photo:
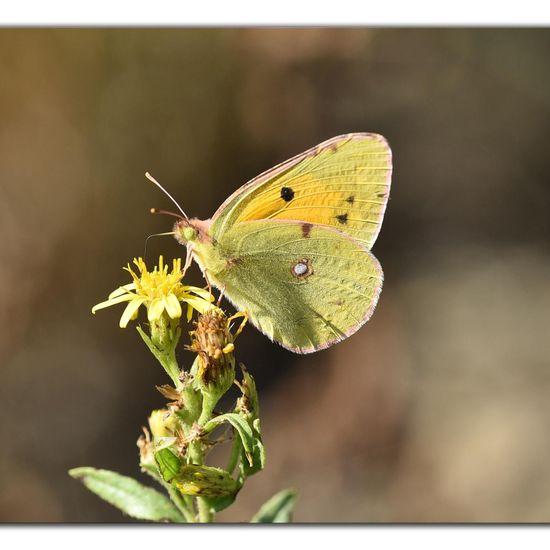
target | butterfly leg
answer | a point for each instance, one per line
(222, 292)
(188, 260)
(207, 281)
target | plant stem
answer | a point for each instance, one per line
(171, 366)
(208, 403)
(166, 358)
(180, 502)
(196, 455)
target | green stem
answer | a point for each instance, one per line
(208, 403)
(196, 455)
(166, 358)
(205, 515)
(172, 368)
(181, 503)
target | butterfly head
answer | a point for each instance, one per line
(190, 231)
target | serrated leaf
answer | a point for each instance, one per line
(241, 426)
(128, 495)
(278, 509)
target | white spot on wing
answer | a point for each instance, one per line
(300, 269)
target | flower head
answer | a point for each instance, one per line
(159, 291)
(213, 341)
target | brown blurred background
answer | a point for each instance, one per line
(437, 410)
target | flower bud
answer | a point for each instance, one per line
(205, 481)
(162, 423)
(193, 479)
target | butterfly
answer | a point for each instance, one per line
(291, 247)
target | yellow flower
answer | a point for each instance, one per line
(159, 291)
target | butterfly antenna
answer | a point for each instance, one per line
(159, 211)
(153, 180)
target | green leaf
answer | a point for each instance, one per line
(278, 509)
(242, 428)
(128, 495)
(258, 452)
(169, 464)
(150, 469)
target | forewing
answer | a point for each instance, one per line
(303, 311)
(343, 183)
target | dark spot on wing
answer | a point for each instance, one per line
(306, 230)
(287, 193)
(381, 194)
(350, 199)
(342, 218)
(232, 261)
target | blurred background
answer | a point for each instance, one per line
(436, 411)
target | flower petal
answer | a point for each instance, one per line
(122, 290)
(130, 311)
(112, 302)
(200, 292)
(199, 304)
(173, 306)
(155, 309)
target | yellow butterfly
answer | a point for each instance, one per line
(292, 246)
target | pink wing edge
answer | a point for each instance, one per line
(355, 328)
(271, 172)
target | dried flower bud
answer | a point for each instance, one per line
(145, 446)
(213, 342)
(248, 404)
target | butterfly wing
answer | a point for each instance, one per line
(343, 183)
(304, 286)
